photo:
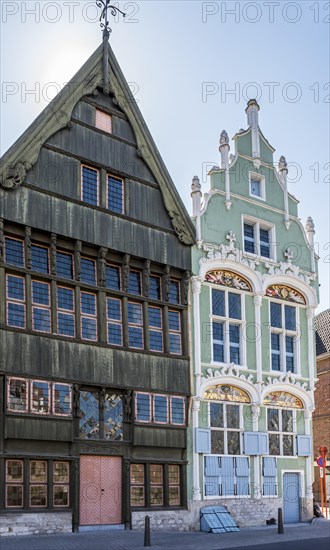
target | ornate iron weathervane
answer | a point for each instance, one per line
(105, 5)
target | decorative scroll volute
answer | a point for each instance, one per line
(283, 292)
(228, 279)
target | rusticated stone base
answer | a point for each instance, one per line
(35, 524)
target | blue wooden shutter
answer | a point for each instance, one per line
(269, 476)
(212, 486)
(227, 476)
(263, 443)
(202, 440)
(304, 445)
(212, 467)
(242, 476)
(255, 443)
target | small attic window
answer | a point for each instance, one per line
(103, 121)
(257, 186)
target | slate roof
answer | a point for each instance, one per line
(322, 326)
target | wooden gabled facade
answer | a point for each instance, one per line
(94, 271)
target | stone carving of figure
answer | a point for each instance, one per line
(101, 403)
(185, 287)
(2, 239)
(146, 277)
(28, 252)
(166, 282)
(282, 164)
(224, 139)
(102, 266)
(76, 407)
(77, 259)
(126, 271)
(128, 405)
(53, 240)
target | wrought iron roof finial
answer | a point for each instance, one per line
(105, 6)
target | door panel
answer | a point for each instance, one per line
(291, 495)
(100, 490)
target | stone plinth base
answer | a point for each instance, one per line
(35, 524)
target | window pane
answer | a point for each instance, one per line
(38, 495)
(218, 347)
(40, 397)
(134, 284)
(39, 258)
(155, 340)
(64, 265)
(174, 496)
(135, 313)
(16, 315)
(276, 361)
(234, 334)
(155, 317)
(62, 399)
(143, 407)
(137, 496)
(65, 298)
(232, 413)
(137, 473)
(135, 337)
(290, 318)
(288, 445)
(15, 288)
(234, 348)
(41, 319)
(65, 324)
(216, 413)
(14, 496)
(155, 336)
(255, 187)
(174, 294)
(89, 185)
(274, 444)
(89, 420)
(103, 121)
(38, 471)
(177, 410)
(61, 495)
(87, 274)
(264, 243)
(114, 309)
(61, 472)
(233, 443)
(156, 474)
(275, 315)
(273, 420)
(276, 356)
(115, 336)
(160, 409)
(18, 395)
(14, 470)
(113, 417)
(218, 302)
(88, 303)
(287, 421)
(155, 287)
(115, 194)
(14, 252)
(175, 343)
(249, 245)
(217, 442)
(289, 351)
(173, 474)
(234, 301)
(113, 277)
(40, 293)
(156, 496)
(174, 320)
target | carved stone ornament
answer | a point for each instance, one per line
(53, 243)
(224, 252)
(228, 279)
(285, 379)
(310, 226)
(128, 397)
(28, 250)
(126, 272)
(255, 408)
(283, 292)
(185, 287)
(15, 175)
(196, 283)
(196, 184)
(166, 282)
(102, 266)
(224, 139)
(282, 164)
(290, 270)
(229, 370)
(146, 278)
(77, 259)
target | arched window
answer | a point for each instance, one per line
(282, 422)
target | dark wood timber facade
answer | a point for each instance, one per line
(94, 272)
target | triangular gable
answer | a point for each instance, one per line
(23, 154)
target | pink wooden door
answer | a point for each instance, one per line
(100, 490)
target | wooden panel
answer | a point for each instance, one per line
(38, 428)
(159, 437)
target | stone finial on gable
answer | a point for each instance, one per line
(224, 139)
(283, 173)
(310, 231)
(252, 111)
(224, 149)
(196, 195)
(283, 165)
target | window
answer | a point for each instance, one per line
(88, 272)
(113, 277)
(226, 326)
(155, 287)
(281, 427)
(257, 185)
(14, 483)
(226, 476)
(14, 252)
(103, 121)
(134, 284)
(115, 193)
(174, 294)
(88, 316)
(174, 328)
(64, 265)
(42, 477)
(283, 337)
(258, 239)
(155, 485)
(155, 329)
(135, 325)
(41, 317)
(160, 409)
(89, 185)
(114, 322)
(65, 312)
(38, 397)
(225, 428)
(15, 294)
(40, 260)
(90, 426)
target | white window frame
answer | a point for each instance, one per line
(261, 180)
(229, 321)
(283, 332)
(280, 432)
(257, 225)
(225, 429)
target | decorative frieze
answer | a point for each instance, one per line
(283, 399)
(228, 279)
(283, 292)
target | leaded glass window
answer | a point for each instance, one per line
(134, 284)
(226, 335)
(113, 417)
(155, 329)
(281, 428)
(41, 313)
(17, 397)
(225, 424)
(156, 485)
(14, 252)
(174, 327)
(114, 322)
(283, 336)
(88, 271)
(64, 265)
(65, 311)
(15, 301)
(88, 316)
(89, 415)
(174, 294)
(155, 288)
(40, 397)
(115, 191)
(61, 399)
(135, 325)
(40, 260)
(89, 185)
(113, 277)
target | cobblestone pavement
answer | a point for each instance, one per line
(134, 540)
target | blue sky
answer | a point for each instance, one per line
(192, 67)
